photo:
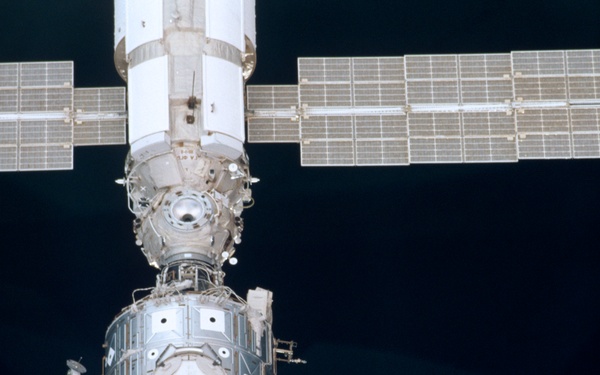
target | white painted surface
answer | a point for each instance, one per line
(261, 299)
(212, 320)
(222, 145)
(224, 21)
(120, 20)
(164, 321)
(165, 171)
(250, 20)
(150, 145)
(110, 357)
(148, 98)
(144, 22)
(223, 105)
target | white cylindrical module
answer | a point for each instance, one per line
(185, 63)
(187, 180)
(119, 40)
(189, 334)
(250, 21)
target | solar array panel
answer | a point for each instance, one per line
(35, 102)
(583, 70)
(378, 82)
(489, 137)
(475, 108)
(331, 152)
(485, 79)
(278, 127)
(432, 79)
(46, 74)
(8, 145)
(9, 83)
(95, 122)
(45, 144)
(37, 115)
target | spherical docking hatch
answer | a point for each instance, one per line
(188, 209)
(188, 205)
(189, 224)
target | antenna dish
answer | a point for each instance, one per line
(75, 367)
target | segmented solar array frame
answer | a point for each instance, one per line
(476, 108)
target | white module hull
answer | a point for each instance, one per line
(187, 334)
(169, 51)
(187, 180)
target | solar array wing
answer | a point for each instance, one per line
(279, 122)
(36, 100)
(37, 114)
(477, 108)
(99, 116)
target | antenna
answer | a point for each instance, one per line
(75, 368)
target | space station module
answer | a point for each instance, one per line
(187, 180)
